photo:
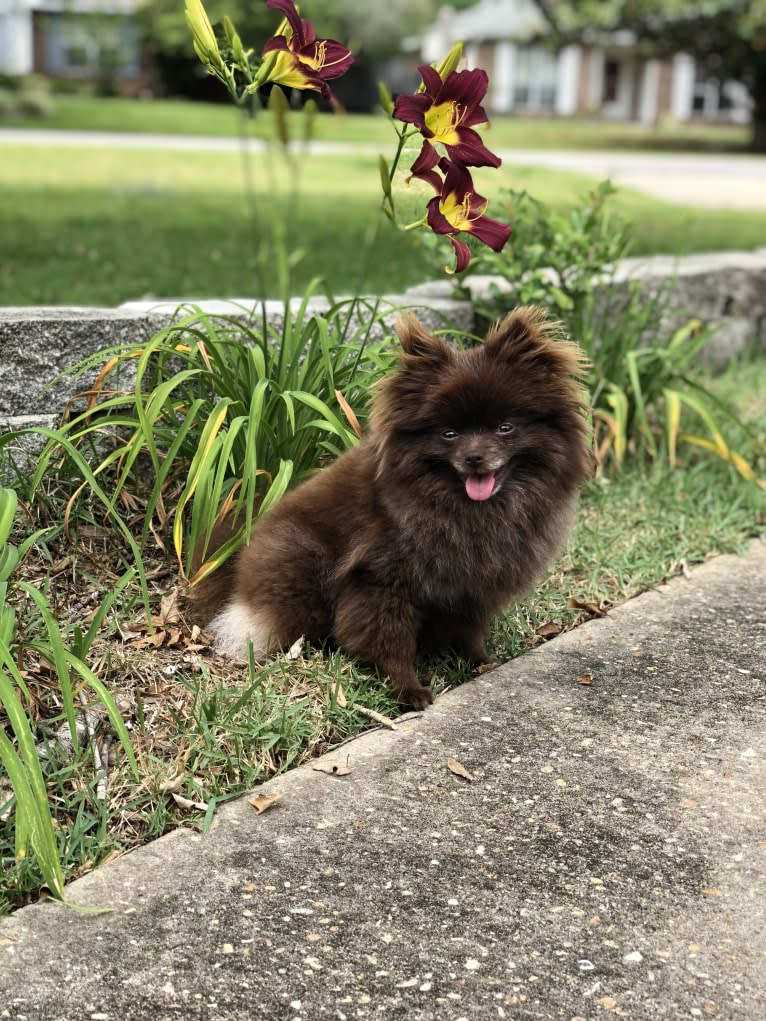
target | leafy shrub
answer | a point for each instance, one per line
(7, 102)
(34, 103)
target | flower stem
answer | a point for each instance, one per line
(403, 135)
(416, 223)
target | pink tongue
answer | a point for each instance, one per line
(480, 487)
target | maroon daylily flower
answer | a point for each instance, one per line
(303, 61)
(458, 209)
(446, 112)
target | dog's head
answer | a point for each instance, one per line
(487, 417)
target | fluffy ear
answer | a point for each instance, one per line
(418, 343)
(526, 336)
(398, 399)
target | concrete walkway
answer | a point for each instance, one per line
(607, 860)
(711, 181)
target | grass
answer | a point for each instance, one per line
(121, 224)
(178, 117)
(204, 734)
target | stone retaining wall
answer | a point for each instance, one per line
(37, 345)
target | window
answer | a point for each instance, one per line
(611, 85)
(76, 57)
(83, 46)
(535, 78)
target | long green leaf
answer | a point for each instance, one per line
(672, 423)
(32, 798)
(108, 702)
(92, 481)
(57, 654)
(278, 487)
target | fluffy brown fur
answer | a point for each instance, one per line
(451, 506)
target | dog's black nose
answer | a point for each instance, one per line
(474, 458)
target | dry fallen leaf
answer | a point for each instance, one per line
(295, 650)
(169, 612)
(549, 630)
(126, 635)
(332, 768)
(171, 786)
(338, 695)
(458, 769)
(348, 411)
(592, 608)
(263, 802)
(585, 679)
(187, 803)
(150, 640)
(173, 636)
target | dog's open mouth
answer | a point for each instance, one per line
(482, 487)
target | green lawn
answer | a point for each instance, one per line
(102, 226)
(169, 116)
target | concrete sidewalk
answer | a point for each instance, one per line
(608, 858)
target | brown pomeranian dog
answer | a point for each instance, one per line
(451, 506)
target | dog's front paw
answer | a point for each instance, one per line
(416, 696)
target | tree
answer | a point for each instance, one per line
(726, 37)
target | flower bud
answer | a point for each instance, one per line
(386, 100)
(385, 176)
(451, 61)
(205, 44)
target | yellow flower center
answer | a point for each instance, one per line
(443, 119)
(319, 60)
(287, 71)
(458, 214)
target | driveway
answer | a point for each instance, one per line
(712, 181)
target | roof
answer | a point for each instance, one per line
(497, 19)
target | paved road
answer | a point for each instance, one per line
(606, 861)
(712, 181)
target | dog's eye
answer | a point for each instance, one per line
(505, 428)
(449, 434)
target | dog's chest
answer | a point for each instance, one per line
(449, 564)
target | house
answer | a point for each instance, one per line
(602, 75)
(73, 40)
